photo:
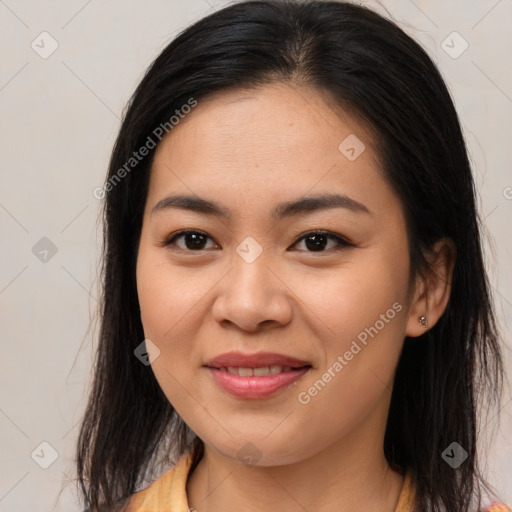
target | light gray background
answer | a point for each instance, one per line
(59, 117)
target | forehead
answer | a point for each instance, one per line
(277, 139)
(275, 118)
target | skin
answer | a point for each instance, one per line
(248, 151)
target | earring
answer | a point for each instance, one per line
(423, 320)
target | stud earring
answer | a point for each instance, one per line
(423, 320)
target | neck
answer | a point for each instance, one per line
(350, 474)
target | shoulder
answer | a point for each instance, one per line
(407, 498)
(497, 507)
(153, 496)
(168, 492)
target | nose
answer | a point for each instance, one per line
(252, 297)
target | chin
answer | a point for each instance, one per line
(258, 452)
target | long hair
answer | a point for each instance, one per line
(375, 71)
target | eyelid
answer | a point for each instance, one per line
(173, 236)
(343, 242)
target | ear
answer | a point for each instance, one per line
(432, 293)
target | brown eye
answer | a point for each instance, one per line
(192, 240)
(317, 241)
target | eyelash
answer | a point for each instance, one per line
(343, 243)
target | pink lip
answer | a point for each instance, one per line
(258, 360)
(255, 387)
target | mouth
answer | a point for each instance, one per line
(261, 371)
(250, 376)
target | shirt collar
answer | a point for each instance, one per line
(168, 493)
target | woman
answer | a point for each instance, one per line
(296, 308)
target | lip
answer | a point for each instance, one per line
(254, 387)
(241, 360)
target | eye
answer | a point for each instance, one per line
(193, 240)
(316, 241)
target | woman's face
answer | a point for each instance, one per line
(260, 277)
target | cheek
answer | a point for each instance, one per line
(167, 296)
(174, 307)
(362, 332)
(170, 303)
(363, 320)
(354, 296)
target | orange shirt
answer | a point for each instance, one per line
(168, 493)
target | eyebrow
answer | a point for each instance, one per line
(301, 206)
